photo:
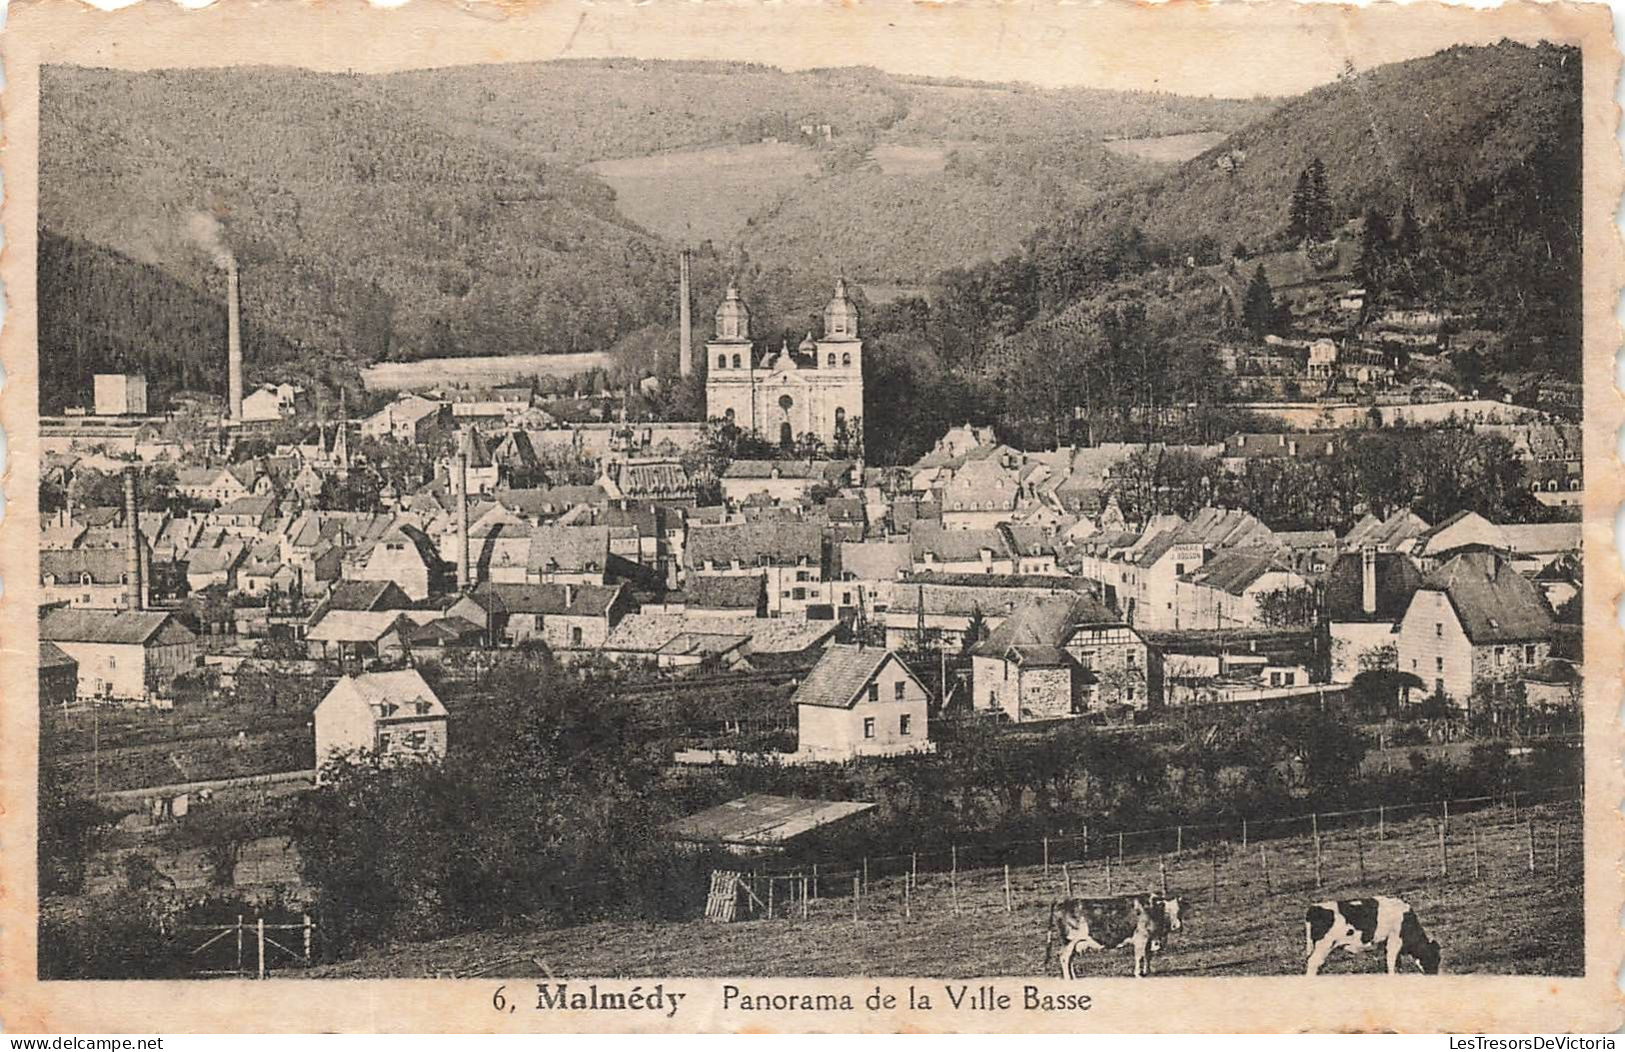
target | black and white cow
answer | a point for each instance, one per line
(1357, 925)
(1141, 921)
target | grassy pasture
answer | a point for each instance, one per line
(1505, 921)
(1167, 149)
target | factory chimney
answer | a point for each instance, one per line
(461, 484)
(1368, 580)
(234, 346)
(133, 591)
(685, 349)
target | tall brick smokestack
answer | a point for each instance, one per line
(133, 592)
(685, 348)
(234, 345)
(464, 581)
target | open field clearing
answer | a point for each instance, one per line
(695, 195)
(897, 159)
(1167, 149)
(478, 370)
(1503, 920)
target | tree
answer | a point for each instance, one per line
(1318, 210)
(71, 829)
(1298, 212)
(1258, 311)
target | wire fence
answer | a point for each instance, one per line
(1490, 838)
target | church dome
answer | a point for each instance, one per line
(785, 359)
(841, 315)
(808, 345)
(733, 318)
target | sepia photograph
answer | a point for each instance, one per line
(761, 501)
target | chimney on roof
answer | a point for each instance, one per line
(234, 346)
(569, 596)
(1368, 580)
(685, 349)
(132, 544)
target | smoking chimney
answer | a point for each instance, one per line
(1368, 580)
(234, 346)
(463, 580)
(685, 348)
(133, 593)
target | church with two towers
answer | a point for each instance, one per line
(815, 388)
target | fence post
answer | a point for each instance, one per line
(1314, 826)
(1444, 855)
(1244, 834)
(1162, 873)
(1119, 848)
(1086, 841)
(815, 880)
(913, 867)
(1179, 839)
(1046, 856)
(803, 896)
(1475, 852)
(1007, 887)
(865, 874)
(1213, 874)
(1382, 822)
(1359, 850)
(908, 910)
(1066, 876)
(1108, 874)
(240, 936)
(260, 925)
(857, 894)
(1447, 818)
(1531, 845)
(1557, 847)
(953, 874)
(772, 882)
(1514, 807)
(1264, 865)
(307, 937)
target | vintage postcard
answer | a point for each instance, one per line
(810, 517)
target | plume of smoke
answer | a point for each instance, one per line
(208, 235)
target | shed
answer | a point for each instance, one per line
(761, 822)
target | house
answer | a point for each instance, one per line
(1234, 590)
(124, 654)
(244, 515)
(96, 578)
(1475, 626)
(411, 419)
(568, 554)
(859, 702)
(779, 481)
(1060, 656)
(1242, 449)
(1393, 534)
(982, 493)
(358, 636)
(722, 595)
(405, 555)
(215, 567)
(274, 402)
(945, 607)
(58, 676)
(1141, 573)
(867, 574)
(394, 715)
(263, 573)
(943, 550)
(562, 615)
(791, 557)
(218, 484)
(663, 479)
(1367, 593)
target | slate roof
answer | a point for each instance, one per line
(53, 656)
(841, 675)
(1494, 602)
(66, 625)
(1397, 580)
(578, 600)
(1234, 571)
(104, 565)
(568, 549)
(782, 543)
(396, 695)
(724, 592)
(214, 560)
(956, 546)
(1402, 525)
(1046, 621)
(875, 560)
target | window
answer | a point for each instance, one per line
(800, 593)
(874, 691)
(1529, 653)
(846, 359)
(898, 690)
(902, 725)
(832, 360)
(1438, 630)
(736, 361)
(1500, 655)
(1438, 664)
(846, 598)
(868, 726)
(575, 635)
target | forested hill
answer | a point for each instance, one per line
(458, 211)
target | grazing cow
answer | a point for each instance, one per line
(1357, 925)
(1141, 921)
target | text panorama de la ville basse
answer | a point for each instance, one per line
(955, 997)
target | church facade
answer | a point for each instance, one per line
(816, 388)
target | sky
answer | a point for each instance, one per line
(1233, 49)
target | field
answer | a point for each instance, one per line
(1167, 149)
(1503, 920)
(478, 371)
(689, 196)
